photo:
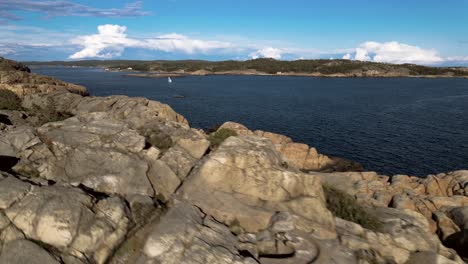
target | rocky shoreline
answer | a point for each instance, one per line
(127, 180)
(318, 75)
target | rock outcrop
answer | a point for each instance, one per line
(298, 155)
(18, 78)
(126, 180)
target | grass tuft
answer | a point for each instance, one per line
(345, 206)
(9, 100)
(219, 136)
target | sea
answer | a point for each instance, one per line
(412, 126)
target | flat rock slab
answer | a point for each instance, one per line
(94, 150)
(24, 251)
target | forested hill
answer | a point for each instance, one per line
(270, 66)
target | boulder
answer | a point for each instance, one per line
(297, 155)
(16, 139)
(136, 112)
(71, 221)
(244, 183)
(18, 79)
(186, 235)
(94, 150)
(403, 234)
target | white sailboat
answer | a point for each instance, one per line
(169, 80)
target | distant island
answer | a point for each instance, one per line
(313, 68)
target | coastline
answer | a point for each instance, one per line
(133, 172)
(139, 74)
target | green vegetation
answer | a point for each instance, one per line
(346, 207)
(36, 115)
(219, 136)
(47, 115)
(9, 65)
(159, 140)
(271, 66)
(9, 100)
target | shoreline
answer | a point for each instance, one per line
(313, 75)
(178, 74)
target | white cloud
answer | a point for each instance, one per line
(111, 41)
(67, 8)
(458, 58)
(394, 52)
(6, 50)
(268, 52)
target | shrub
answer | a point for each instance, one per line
(159, 140)
(9, 100)
(219, 136)
(46, 114)
(345, 206)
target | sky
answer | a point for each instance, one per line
(429, 32)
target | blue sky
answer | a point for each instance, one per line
(396, 31)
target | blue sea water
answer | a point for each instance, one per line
(391, 125)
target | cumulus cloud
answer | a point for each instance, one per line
(111, 41)
(394, 52)
(67, 8)
(268, 52)
(458, 58)
(6, 50)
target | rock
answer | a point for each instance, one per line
(186, 235)
(11, 191)
(179, 161)
(282, 222)
(460, 216)
(459, 240)
(243, 183)
(94, 150)
(136, 112)
(126, 180)
(298, 155)
(239, 128)
(165, 135)
(277, 139)
(404, 233)
(10, 65)
(165, 182)
(24, 251)
(17, 139)
(64, 218)
(141, 208)
(295, 154)
(425, 257)
(402, 201)
(272, 248)
(18, 79)
(445, 226)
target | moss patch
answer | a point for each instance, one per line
(219, 136)
(345, 206)
(48, 115)
(9, 100)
